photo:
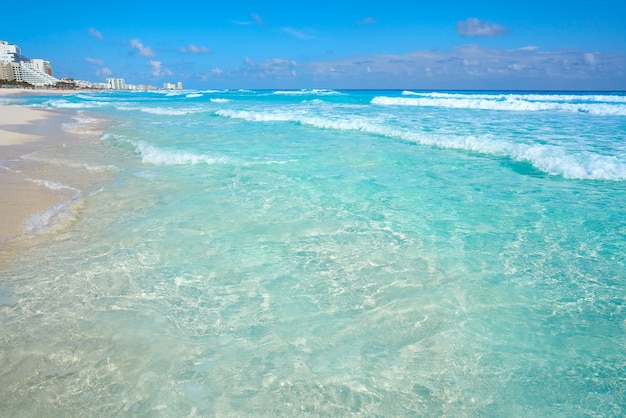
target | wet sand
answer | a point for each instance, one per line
(22, 131)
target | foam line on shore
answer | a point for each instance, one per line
(21, 197)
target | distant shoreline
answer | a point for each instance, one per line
(21, 91)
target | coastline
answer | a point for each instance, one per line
(23, 131)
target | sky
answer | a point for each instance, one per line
(340, 44)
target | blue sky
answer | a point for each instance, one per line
(333, 44)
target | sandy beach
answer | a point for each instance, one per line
(22, 131)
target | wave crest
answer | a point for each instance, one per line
(159, 156)
(504, 102)
(549, 159)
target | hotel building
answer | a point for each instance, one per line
(14, 66)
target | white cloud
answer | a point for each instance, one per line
(94, 61)
(471, 66)
(476, 27)
(296, 33)
(144, 51)
(157, 69)
(276, 68)
(464, 67)
(193, 49)
(96, 33)
(366, 21)
(257, 19)
(103, 72)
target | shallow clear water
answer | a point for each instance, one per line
(325, 253)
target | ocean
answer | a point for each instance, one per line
(322, 253)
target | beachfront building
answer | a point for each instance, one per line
(15, 67)
(116, 84)
(32, 74)
(172, 86)
(8, 52)
(9, 66)
(10, 71)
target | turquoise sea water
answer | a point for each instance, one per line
(323, 253)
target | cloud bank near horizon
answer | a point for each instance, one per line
(468, 66)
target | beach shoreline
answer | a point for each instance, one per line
(23, 131)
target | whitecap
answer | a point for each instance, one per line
(163, 111)
(320, 92)
(549, 159)
(480, 102)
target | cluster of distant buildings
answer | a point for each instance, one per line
(120, 84)
(16, 68)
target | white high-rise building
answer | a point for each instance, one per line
(172, 86)
(116, 84)
(8, 52)
(37, 72)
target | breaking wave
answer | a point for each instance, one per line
(547, 158)
(164, 111)
(306, 92)
(159, 156)
(526, 103)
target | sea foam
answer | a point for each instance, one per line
(507, 104)
(164, 111)
(527, 96)
(160, 156)
(547, 158)
(484, 102)
(57, 216)
(307, 92)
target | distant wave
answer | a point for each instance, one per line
(65, 104)
(218, 100)
(320, 92)
(161, 111)
(193, 95)
(547, 158)
(502, 103)
(605, 98)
